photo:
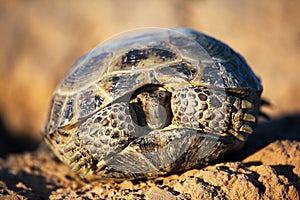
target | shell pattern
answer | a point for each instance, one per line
(152, 103)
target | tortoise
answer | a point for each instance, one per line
(152, 103)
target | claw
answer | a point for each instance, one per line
(246, 104)
(237, 103)
(240, 137)
(75, 157)
(78, 166)
(237, 135)
(69, 147)
(246, 129)
(249, 117)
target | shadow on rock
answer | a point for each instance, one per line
(27, 185)
(284, 128)
(287, 171)
(15, 144)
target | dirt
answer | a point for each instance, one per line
(268, 169)
(40, 40)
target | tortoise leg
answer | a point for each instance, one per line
(108, 131)
(200, 108)
(98, 138)
(212, 111)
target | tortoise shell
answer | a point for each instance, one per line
(152, 103)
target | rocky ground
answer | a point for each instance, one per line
(266, 168)
(41, 39)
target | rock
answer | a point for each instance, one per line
(8, 194)
(39, 175)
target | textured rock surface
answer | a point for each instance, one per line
(41, 39)
(34, 175)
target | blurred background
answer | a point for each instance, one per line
(40, 40)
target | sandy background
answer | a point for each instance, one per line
(40, 40)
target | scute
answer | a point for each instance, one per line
(231, 66)
(89, 101)
(85, 72)
(138, 58)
